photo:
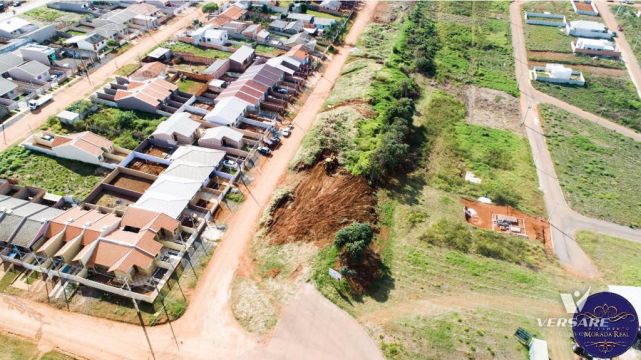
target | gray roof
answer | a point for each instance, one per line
(11, 203)
(158, 52)
(215, 66)
(34, 68)
(32, 226)
(278, 24)
(297, 16)
(242, 53)
(94, 38)
(8, 225)
(8, 61)
(324, 21)
(6, 86)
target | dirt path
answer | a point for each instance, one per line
(65, 97)
(208, 329)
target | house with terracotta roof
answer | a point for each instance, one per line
(232, 13)
(86, 147)
(156, 96)
(149, 71)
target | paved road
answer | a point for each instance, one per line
(565, 221)
(79, 90)
(208, 330)
(626, 50)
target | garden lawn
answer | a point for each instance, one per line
(59, 176)
(597, 167)
(617, 259)
(610, 97)
(178, 46)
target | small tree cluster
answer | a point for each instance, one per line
(210, 7)
(354, 239)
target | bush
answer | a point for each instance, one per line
(354, 239)
(210, 7)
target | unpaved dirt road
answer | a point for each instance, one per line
(208, 329)
(63, 98)
(565, 222)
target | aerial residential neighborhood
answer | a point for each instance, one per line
(320, 179)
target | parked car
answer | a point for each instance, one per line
(268, 142)
(285, 132)
(230, 163)
(263, 150)
(275, 140)
(282, 91)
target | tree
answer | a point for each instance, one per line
(210, 7)
(125, 119)
(264, 9)
(303, 8)
(354, 239)
(112, 42)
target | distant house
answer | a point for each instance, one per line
(220, 137)
(8, 89)
(15, 26)
(306, 18)
(301, 39)
(252, 31)
(584, 7)
(92, 42)
(71, 6)
(293, 27)
(263, 35)
(332, 5)
(148, 96)
(588, 29)
(234, 27)
(111, 31)
(598, 47)
(31, 71)
(160, 54)
(557, 73)
(232, 13)
(208, 36)
(242, 58)
(299, 53)
(178, 129)
(9, 61)
(277, 25)
(86, 147)
(40, 53)
(324, 23)
(146, 15)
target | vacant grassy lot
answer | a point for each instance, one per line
(610, 97)
(127, 69)
(476, 44)
(189, 86)
(353, 84)
(59, 176)
(548, 38)
(126, 128)
(627, 17)
(597, 167)
(319, 14)
(617, 259)
(47, 15)
(264, 50)
(195, 50)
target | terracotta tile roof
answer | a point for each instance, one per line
(298, 52)
(152, 92)
(145, 219)
(76, 221)
(149, 70)
(85, 141)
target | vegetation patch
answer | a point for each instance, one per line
(178, 46)
(627, 17)
(126, 128)
(617, 259)
(59, 176)
(127, 69)
(597, 167)
(47, 15)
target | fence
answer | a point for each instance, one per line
(533, 18)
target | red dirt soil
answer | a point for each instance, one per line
(133, 183)
(147, 167)
(535, 228)
(322, 204)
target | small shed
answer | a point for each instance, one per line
(160, 54)
(68, 117)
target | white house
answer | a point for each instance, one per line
(322, 23)
(40, 53)
(208, 35)
(557, 73)
(30, 71)
(93, 42)
(333, 5)
(179, 128)
(15, 26)
(221, 136)
(599, 47)
(8, 89)
(228, 111)
(588, 29)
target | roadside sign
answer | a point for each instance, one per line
(335, 274)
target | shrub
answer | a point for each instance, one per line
(210, 7)
(354, 239)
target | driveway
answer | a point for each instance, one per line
(208, 330)
(565, 222)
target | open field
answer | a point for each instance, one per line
(571, 59)
(127, 69)
(610, 97)
(547, 38)
(16, 348)
(264, 50)
(627, 17)
(59, 176)
(475, 44)
(195, 50)
(189, 86)
(597, 167)
(617, 259)
(126, 128)
(46, 15)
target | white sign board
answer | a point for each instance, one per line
(335, 274)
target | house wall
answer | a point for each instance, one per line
(70, 152)
(39, 56)
(20, 74)
(43, 34)
(135, 104)
(589, 34)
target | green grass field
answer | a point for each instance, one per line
(127, 69)
(547, 38)
(188, 85)
(617, 259)
(59, 176)
(627, 17)
(195, 50)
(612, 98)
(597, 167)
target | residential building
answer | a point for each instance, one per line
(220, 137)
(23, 223)
(322, 23)
(149, 71)
(252, 31)
(228, 112)
(9, 61)
(293, 27)
(598, 47)
(15, 27)
(206, 35)
(242, 58)
(305, 18)
(234, 27)
(218, 68)
(299, 53)
(86, 147)
(40, 53)
(588, 29)
(178, 129)
(302, 39)
(31, 71)
(71, 6)
(111, 31)
(169, 195)
(557, 73)
(8, 89)
(332, 5)
(160, 54)
(263, 36)
(92, 42)
(148, 96)
(584, 7)
(232, 13)
(278, 25)
(146, 15)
